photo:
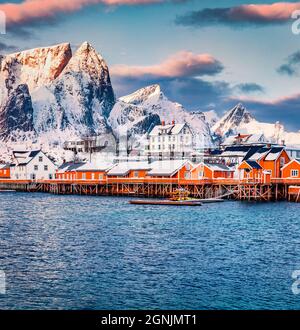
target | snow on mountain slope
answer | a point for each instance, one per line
(239, 120)
(16, 115)
(151, 101)
(211, 117)
(34, 67)
(79, 100)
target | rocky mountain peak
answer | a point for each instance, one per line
(35, 67)
(232, 119)
(147, 94)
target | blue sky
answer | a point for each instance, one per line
(147, 35)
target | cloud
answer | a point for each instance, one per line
(243, 15)
(179, 65)
(29, 11)
(7, 48)
(291, 67)
(248, 88)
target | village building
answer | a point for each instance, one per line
(246, 140)
(83, 171)
(32, 165)
(250, 170)
(132, 170)
(171, 169)
(274, 161)
(173, 141)
(291, 170)
(211, 171)
(4, 171)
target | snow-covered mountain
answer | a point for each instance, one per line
(148, 107)
(240, 120)
(71, 95)
(79, 100)
(211, 117)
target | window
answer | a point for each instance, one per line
(136, 174)
(201, 174)
(50, 176)
(45, 167)
(40, 159)
(282, 161)
(187, 175)
(100, 176)
(36, 168)
(294, 173)
(83, 176)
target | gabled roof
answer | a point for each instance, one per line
(290, 162)
(23, 157)
(257, 154)
(253, 164)
(124, 168)
(95, 167)
(235, 151)
(274, 153)
(69, 166)
(169, 129)
(4, 166)
(216, 167)
(167, 167)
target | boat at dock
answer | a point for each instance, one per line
(165, 202)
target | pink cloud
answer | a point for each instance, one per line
(30, 10)
(277, 11)
(252, 14)
(181, 64)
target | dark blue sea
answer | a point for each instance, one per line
(78, 252)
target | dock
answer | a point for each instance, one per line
(247, 190)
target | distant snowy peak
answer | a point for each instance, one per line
(150, 94)
(231, 121)
(148, 107)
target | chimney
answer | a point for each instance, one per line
(283, 142)
(173, 122)
(163, 123)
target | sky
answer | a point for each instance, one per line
(205, 54)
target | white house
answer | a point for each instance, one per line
(173, 141)
(32, 165)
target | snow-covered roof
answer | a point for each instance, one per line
(95, 167)
(24, 157)
(220, 167)
(259, 154)
(125, 167)
(4, 166)
(235, 151)
(253, 164)
(167, 167)
(173, 129)
(274, 153)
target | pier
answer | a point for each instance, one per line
(233, 189)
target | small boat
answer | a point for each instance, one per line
(7, 190)
(165, 202)
(178, 198)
